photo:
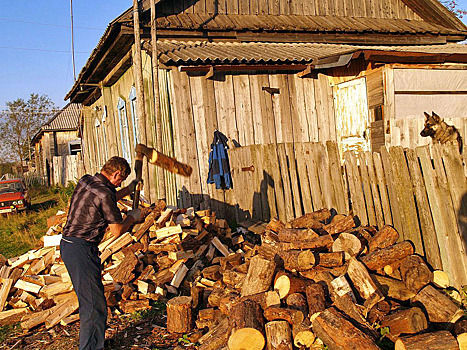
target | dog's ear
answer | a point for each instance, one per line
(436, 117)
(426, 115)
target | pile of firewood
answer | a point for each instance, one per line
(319, 279)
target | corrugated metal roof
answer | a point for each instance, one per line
(300, 23)
(66, 119)
(203, 52)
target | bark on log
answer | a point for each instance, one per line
(179, 315)
(320, 242)
(382, 257)
(297, 301)
(259, 276)
(439, 307)
(331, 259)
(279, 336)
(296, 234)
(410, 321)
(287, 284)
(298, 260)
(292, 316)
(415, 273)
(364, 284)
(246, 321)
(316, 298)
(442, 340)
(303, 336)
(265, 299)
(216, 337)
(347, 243)
(312, 220)
(384, 238)
(339, 334)
(393, 288)
(341, 225)
(275, 225)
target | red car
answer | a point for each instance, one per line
(13, 196)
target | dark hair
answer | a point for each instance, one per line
(117, 163)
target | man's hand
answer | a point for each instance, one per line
(132, 185)
(135, 214)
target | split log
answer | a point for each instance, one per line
(364, 284)
(228, 302)
(179, 315)
(341, 225)
(320, 242)
(275, 225)
(302, 334)
(347, 243)
(296, 234)
(331, 259)
(259, 276)
(382, 257)
(212, 272)
(297, 301)
(339, 334)
(462, 340)
(439, 307)
(279, 336)
(442, 340)
(415, 273)
(393, 288)
(310, 219)
(378, 312)
(123, 273)
(216, 337)
(460, 327)
(233, 278)
(384, 238)
(298, 260)
(292, 316)
(441, 279)
(62, 311)
(5, 291)
(287, 284)
(130, 306)
(265, 299)
(316, 298)
(410, 321)
(246, 321)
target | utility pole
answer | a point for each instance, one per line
(140, 100)
(72, 41)
(157, 111)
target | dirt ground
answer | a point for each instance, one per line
(124, 332)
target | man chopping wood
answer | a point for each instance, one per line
(93, 208)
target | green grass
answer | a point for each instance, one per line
(20, 232)
(6, 331)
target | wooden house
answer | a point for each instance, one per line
(58, 137)
(357, 72)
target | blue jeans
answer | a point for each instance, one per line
(82, 261)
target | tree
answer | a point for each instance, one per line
(453, 6)
(19, 122)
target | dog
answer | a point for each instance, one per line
(439, 131)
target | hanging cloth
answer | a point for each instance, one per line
(219, 167)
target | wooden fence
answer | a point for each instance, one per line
(422, 192)
(67, 168)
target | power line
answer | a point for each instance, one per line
(48, 24)
(43, 50)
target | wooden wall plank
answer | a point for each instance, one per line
(243, 111)
(430, 241)
(367, 192)
(278, 184)
(225, 106)
(374, 189)
(325, 109)
(310, 108)
(263, 117)
(355, 181)
(288, 194)
(300, 151)
(281, 106)
(269, 162)
(313, 179)
(337, 178)
(298, 109)
(324, 174)
(260, 203)
(405, 198)
(292, 165)
(392, 194)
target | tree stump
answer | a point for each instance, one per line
(179, 315)
(246, 321)
(279, 336)
(442, 340)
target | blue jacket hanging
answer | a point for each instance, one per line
(219, 167)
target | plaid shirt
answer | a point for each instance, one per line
(93, 207)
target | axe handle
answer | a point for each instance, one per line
(165, 162)
(139, 175)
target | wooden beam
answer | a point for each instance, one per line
(124, 64)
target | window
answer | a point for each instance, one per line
(134, 115)
(74, 147)
(124, 130)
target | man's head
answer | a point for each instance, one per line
(116, 170)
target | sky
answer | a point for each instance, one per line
(35, 44)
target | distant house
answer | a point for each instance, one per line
(58, 137)
(357, 72)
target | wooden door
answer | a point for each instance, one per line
(352, 121)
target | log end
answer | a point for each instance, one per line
(246, 338)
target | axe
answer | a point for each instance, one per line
(159, 159)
